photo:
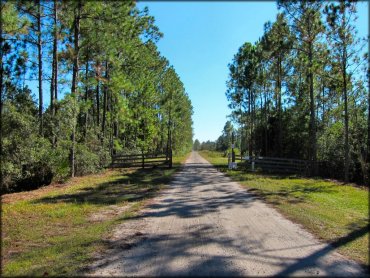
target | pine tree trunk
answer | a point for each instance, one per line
(169, 142)
(76, 47)
(250, 151)
(74, 79)
(323, 103)
(39, 55)
(170, 134)
(262, 123)
(105, 102)
(368, 139)
(252, 122)
(52, 95)
(280, 134)
(345, 96)
(346, 143)
(55, 54)
(54, 71)
(1, 95)
(72, 151)
(86, 96)
(97, 104)
(110, 110)
(266, 121)
(312, 125)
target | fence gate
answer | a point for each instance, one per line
(140, 160)
(274, 164)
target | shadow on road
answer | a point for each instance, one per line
(187, 205)
(181, 247)
(314, 259)
(167, 249)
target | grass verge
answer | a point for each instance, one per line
(52, 231)
(334, 212)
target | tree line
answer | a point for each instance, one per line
(302, 91)
(109, 88)
(223, 142)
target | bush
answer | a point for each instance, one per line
(59, 162)
(34, 176)
(26, 154)
(86, 161)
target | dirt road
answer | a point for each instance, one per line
(207, 225)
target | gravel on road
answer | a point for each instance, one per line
(205, 224)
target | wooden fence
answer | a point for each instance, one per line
(274, 164)
(140, 160)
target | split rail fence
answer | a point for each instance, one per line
(274, 164)
(140, 160)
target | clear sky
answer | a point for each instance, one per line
(201, 38)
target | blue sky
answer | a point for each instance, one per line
(201, 38)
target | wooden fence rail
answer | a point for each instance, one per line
(275, 164)
(140, 160)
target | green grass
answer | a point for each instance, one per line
(216, 158)
(51, 232)
(334, 212)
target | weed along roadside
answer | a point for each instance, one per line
(333, 212)
(56, 230)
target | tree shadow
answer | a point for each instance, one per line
(313, 260)
(186, 205)
(131, 187)
(158, 255)
(160, 251)
(296, 194)
(191, 252)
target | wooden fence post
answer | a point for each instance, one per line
(142, 160)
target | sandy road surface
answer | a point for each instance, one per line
(207, 225)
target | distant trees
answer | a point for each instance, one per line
(341, 38)
(299, 92)
(223, 142)
(208, 145)
(307, 28)
(242, 90)
(110, 89)
(196, 145)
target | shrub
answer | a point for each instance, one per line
(86, 161)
